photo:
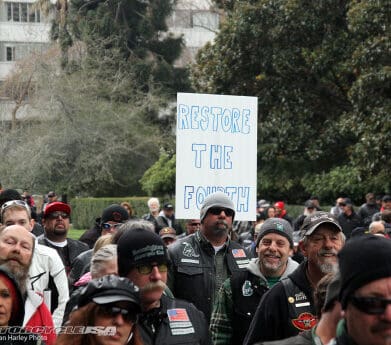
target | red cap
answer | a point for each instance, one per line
(280, 205)
(56, 206)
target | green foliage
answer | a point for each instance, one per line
(86, 210)
(134, 33)
(160, 177)
(321, 73)
(85, 144)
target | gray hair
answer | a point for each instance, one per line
(137, 224)
(101, 257)
(151, 200)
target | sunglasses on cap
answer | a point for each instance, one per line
(112, 311)
(57, 214)
(108, 226)
(147, 268)
(20, 203)
(217, 210)
(370, 305)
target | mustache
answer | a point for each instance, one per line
(16, 258)
(381, 327)
(329, 251)
(159, 285)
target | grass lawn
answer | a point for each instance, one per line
(75, 233)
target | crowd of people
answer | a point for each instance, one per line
(321, 278)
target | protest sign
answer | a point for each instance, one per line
(216, 151)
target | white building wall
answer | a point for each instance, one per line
(196, 20)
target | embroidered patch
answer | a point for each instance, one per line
(178, 314)
(300, 297)
(179, 321)
(291, 299)
(188, 251)
(304, 304)
(305, 321)
(192, 261)
(247, 289)
(238, 253)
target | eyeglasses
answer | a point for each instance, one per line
(217, 210)
(113, 311)
(370, 305)
(195, 224)
(147, 269)
(57, 214)
(108, 226)
(14, 203)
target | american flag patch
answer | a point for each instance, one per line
(177, 315)
(238, 253)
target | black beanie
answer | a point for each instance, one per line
(8, 195)
(137, 247)
(114, 213)
(363, 260)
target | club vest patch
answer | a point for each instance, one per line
(304, 321)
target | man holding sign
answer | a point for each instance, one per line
(202, 261)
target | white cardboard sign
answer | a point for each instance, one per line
(216, 151)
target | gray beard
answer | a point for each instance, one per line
(20, 273)
(326, 268)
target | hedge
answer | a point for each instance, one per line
(86, 210)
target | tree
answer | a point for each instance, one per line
(295, 56)
(103, 116)
(81, 144)
(18, 87)
(159, 179)
(135, 32)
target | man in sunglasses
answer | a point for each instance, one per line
(56, 224)
(113, 216)
(205, 259)
(365, 292)
(143, 259)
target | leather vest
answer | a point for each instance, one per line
(301, 311)
(246, 295)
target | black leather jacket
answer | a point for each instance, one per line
(175, 322)
(285, 310)
(193, 271)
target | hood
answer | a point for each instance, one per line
(253, 267)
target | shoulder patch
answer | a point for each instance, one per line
(304, 321)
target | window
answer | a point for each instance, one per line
(10, 52)
(22, 12)
(9, 11)
(15, 13)
(205, 19)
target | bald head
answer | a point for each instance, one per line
(16, 245)
(377, 228)
(16, 252)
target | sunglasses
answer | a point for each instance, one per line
(147, 269)
(57, 214)
(14, 203)
(217, 210)
(111, 311)
(370, 305)
(195, 224)
(108, 226)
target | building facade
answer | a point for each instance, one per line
(24, 29)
